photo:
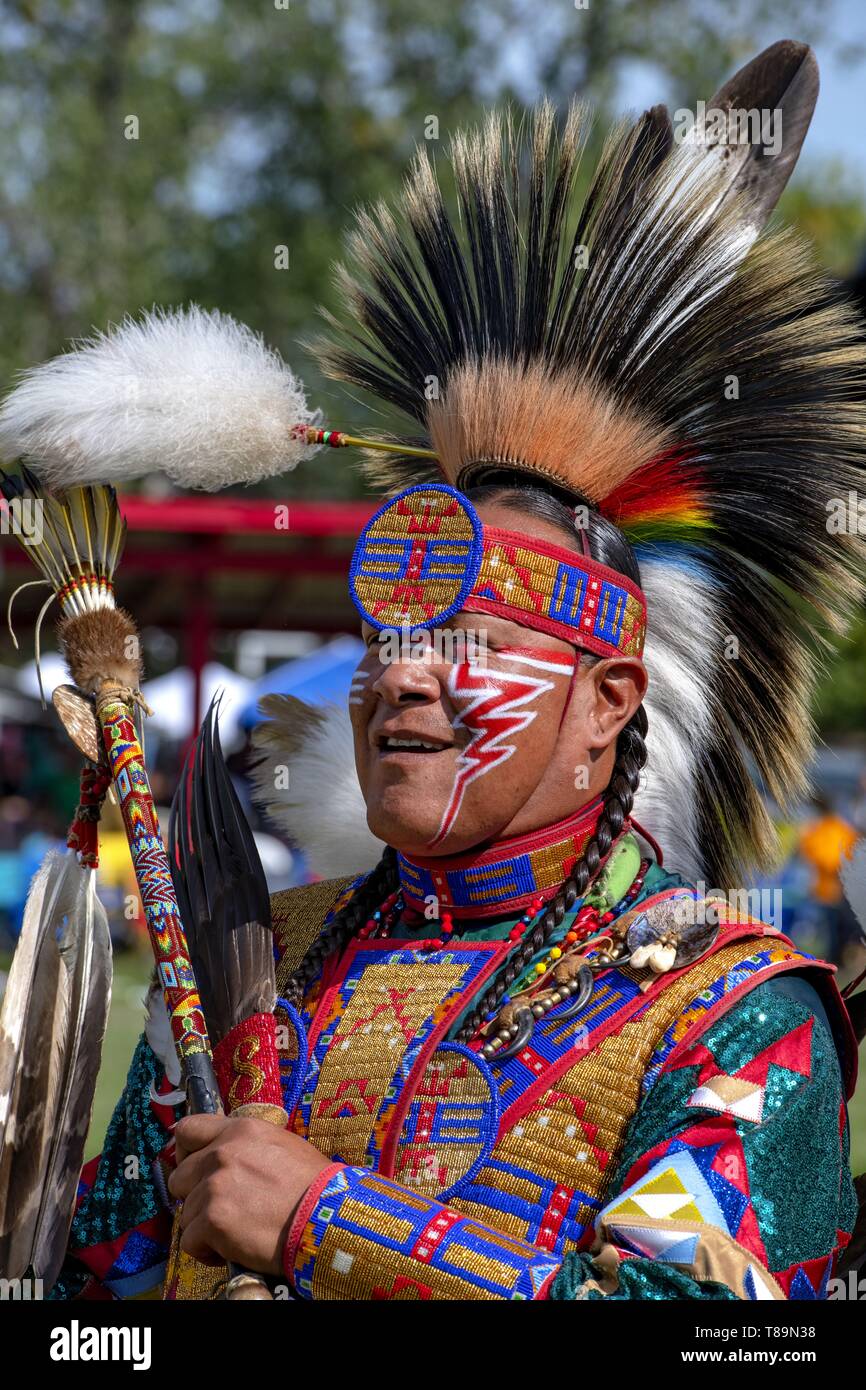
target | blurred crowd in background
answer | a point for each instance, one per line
(39, 784)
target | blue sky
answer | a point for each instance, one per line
(838, 130)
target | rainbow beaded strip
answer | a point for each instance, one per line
(425, 555)
(153, 874)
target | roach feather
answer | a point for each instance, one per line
(782, 79)
(191, 393)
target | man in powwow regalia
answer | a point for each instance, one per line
(522, 1056)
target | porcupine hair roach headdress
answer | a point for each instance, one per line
(643, 353)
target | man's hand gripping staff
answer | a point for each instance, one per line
(77, 549)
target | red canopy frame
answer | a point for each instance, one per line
(196, 537)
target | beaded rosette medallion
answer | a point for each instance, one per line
(425, 555)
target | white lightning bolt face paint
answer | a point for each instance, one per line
(494, 709)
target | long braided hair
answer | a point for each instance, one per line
(334, 938)
(618, 799)
(608, 546)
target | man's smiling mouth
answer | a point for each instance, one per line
(406, 741)
(415, 743)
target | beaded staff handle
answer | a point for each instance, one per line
(150, 862)
(76, 547)
(164, 927)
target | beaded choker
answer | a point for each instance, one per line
(506, 877)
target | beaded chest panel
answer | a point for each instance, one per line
(530, 1147)
(525, 1153)
(373, 1030)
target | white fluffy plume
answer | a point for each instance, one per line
(189, 393)
(678, 712)
(317, 746)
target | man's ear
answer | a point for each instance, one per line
(619, 685)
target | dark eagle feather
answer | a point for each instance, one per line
(221, 889)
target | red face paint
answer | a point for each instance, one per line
(494, 710)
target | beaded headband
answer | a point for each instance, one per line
(425, 555)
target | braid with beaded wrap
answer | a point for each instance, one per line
(380, 881)
(618, 801)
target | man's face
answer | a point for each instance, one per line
(477, 731)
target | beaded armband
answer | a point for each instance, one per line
(361, 1236)
(248, 1065)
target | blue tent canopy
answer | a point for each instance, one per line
(325, 675)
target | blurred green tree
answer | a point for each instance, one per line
(159, 152)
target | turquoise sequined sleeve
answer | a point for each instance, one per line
(122, 1225)
(734, 1181)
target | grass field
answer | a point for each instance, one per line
(132, 972)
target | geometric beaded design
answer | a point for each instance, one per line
(425, 555)
(775, 954)
(465, 1180)
(505, 878)
(548, 1175)
(450, 1126)
(533, 1199)
(387, 1007)
(553, 590)
(370, 1238)
(416, 559)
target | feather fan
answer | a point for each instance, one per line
(51, 1029)
(221, 889)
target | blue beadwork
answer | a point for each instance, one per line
(445, 557)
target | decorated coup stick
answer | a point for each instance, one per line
(77, 547)
(201, 398)
(82, 537)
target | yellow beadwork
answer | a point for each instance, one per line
(353, 1079)
(571, 1135)
(604, 1086)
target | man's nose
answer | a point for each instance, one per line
(408, 681)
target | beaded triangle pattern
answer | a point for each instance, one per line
(388, 1005)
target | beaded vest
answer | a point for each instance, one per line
(531, 1146)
